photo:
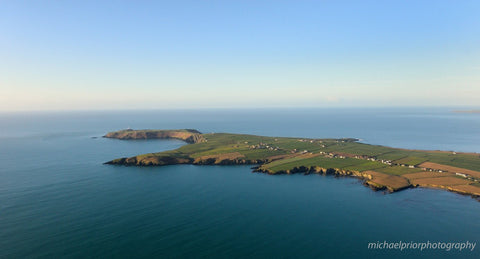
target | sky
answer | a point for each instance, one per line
(102, 55)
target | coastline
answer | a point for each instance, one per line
(227, 150)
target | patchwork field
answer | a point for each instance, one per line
(440, 181)
(451, 169)
(381, 167)
(425, 175)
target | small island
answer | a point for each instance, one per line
(468, 111)
(379, 167)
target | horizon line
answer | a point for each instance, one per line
(456, 107)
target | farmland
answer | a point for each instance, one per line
(380, 167)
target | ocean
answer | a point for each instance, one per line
(58, 199)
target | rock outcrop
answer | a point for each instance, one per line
(188, 135)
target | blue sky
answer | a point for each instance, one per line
(64, 55)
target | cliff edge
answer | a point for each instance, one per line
(188, 135)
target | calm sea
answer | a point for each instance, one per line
(57, 199)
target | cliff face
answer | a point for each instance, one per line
(458, 172)
(371, 179)
(150, 161)
(179, 159)
(187, 135)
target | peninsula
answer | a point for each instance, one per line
(380, 167)
(467, 111)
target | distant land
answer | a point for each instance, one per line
(379, 167)
(467, 111)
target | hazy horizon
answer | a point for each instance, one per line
(452, 109)
(86, 55)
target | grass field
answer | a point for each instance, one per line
(279, 155)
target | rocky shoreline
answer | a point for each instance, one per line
(365, 178)
(190, 136)
(373, 179)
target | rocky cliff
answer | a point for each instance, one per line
(187, 135)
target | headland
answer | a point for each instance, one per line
(379, 167)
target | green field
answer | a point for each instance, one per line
(281, 154)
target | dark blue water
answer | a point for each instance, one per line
(57, 199)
